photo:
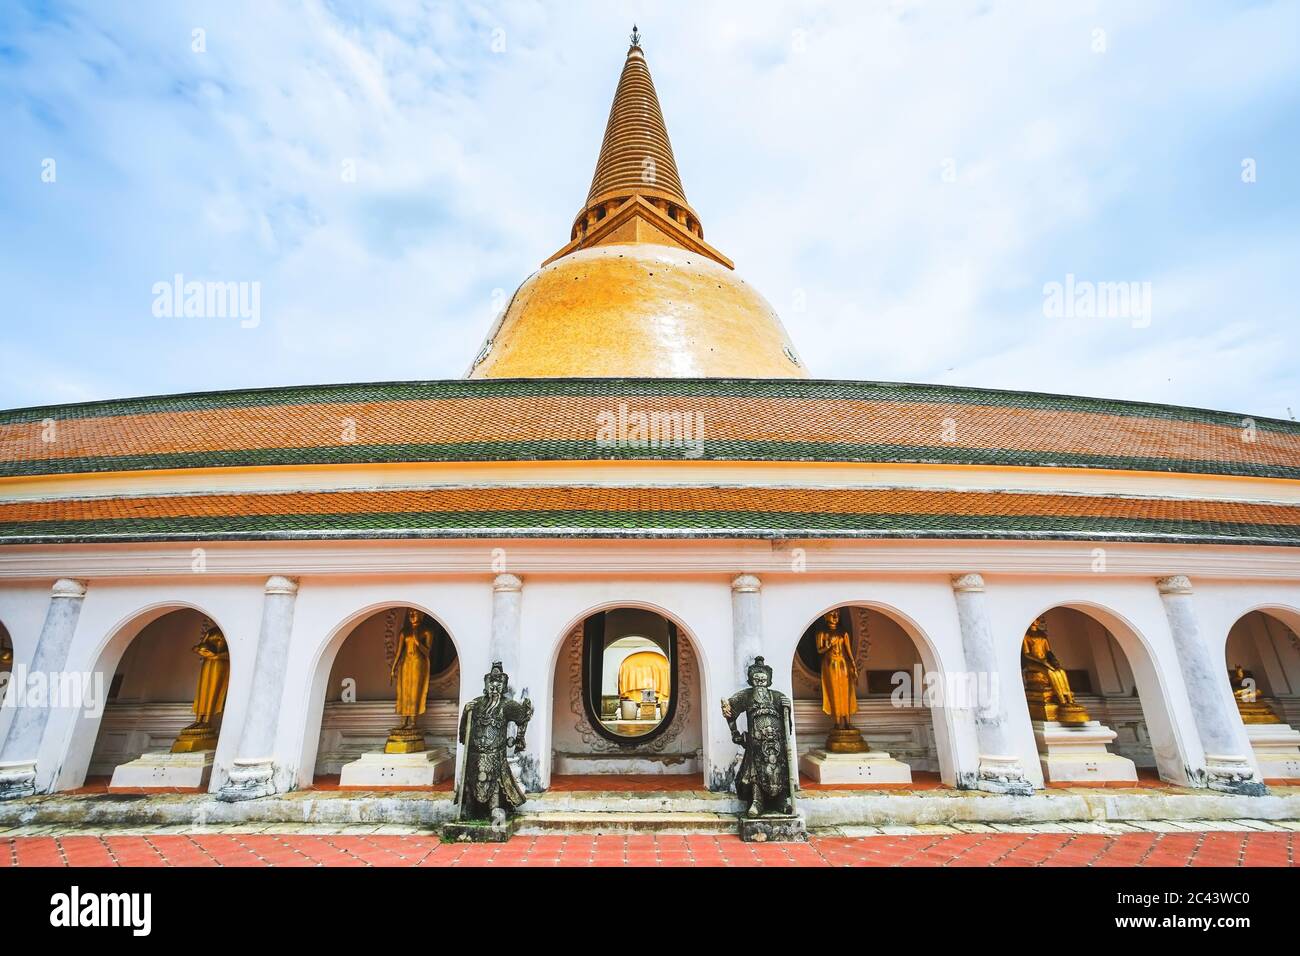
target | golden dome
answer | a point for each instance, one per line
(635, 310)
(637, 291)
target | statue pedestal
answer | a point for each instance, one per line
(1078, 753)
(874, 766)
(1277, 748)
(189, 771)
(773, 829)
(422, 769)
(473, 831)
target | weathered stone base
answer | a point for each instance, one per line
(822, 809)
(1078, 753)
(459, 831)
(185, 771)
(615, 764)
(773, 829)
(422, 769)
(1229, 773)
(870, 767)
(1002, 774)
(1277, 748)
(17, 779)
(249, 779)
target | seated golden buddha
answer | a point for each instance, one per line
(1250, 704)
(1047, 686)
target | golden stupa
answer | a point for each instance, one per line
(637, 291)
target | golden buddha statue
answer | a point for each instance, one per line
(209, 695)
(645, 671)
(6, 657)
(410, 671)
(839, 673)
(1250, 705)
(1046, 684)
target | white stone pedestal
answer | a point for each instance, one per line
(188, 771)
(1078, 753)
(422, 769)
(874, 766)
(1277, 748)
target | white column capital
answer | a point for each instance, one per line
(278, 584)
(1174, 584)
(968, 582)
(507, 582)
(746, 583)
(68, 588)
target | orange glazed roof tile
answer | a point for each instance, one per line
(574, 419)
(647, 512)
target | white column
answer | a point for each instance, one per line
(999, 768)
(253, 771)
(22, 744)
(1223, 737)
(503, 645)
(746, 628)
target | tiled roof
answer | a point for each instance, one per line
(648, 511)
(560, 419)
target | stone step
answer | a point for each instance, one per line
(615, 822)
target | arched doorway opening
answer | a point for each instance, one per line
(164, 702)
(1088, 701)
(6, 660)
(1263, 660)
(361, 693)
(887, 698)
(626, 697)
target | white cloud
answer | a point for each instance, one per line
(811, 137)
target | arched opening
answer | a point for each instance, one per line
(6, 660)
(365, 689)
(1087, 700)
(1263, 660)
(626, 699)
(861, 667)
(164, 703)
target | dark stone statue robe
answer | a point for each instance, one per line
(487, 774)
(766, 764)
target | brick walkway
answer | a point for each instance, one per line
(1214, 848)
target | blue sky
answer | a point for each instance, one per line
(899, 179)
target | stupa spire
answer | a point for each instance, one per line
(636, 191)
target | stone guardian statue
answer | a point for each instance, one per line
(486, 789)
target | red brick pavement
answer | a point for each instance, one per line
(965, 849)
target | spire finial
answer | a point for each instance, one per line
(635, 37)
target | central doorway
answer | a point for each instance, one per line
(626, 697)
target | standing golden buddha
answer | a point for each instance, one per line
(410, 671)
(209, 695)
(839, 673)
(1047, 686)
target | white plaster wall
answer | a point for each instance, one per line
(687, 581)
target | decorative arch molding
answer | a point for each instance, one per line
(322, 663)
(687, 672)
(105, 657)
(1157, 679)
